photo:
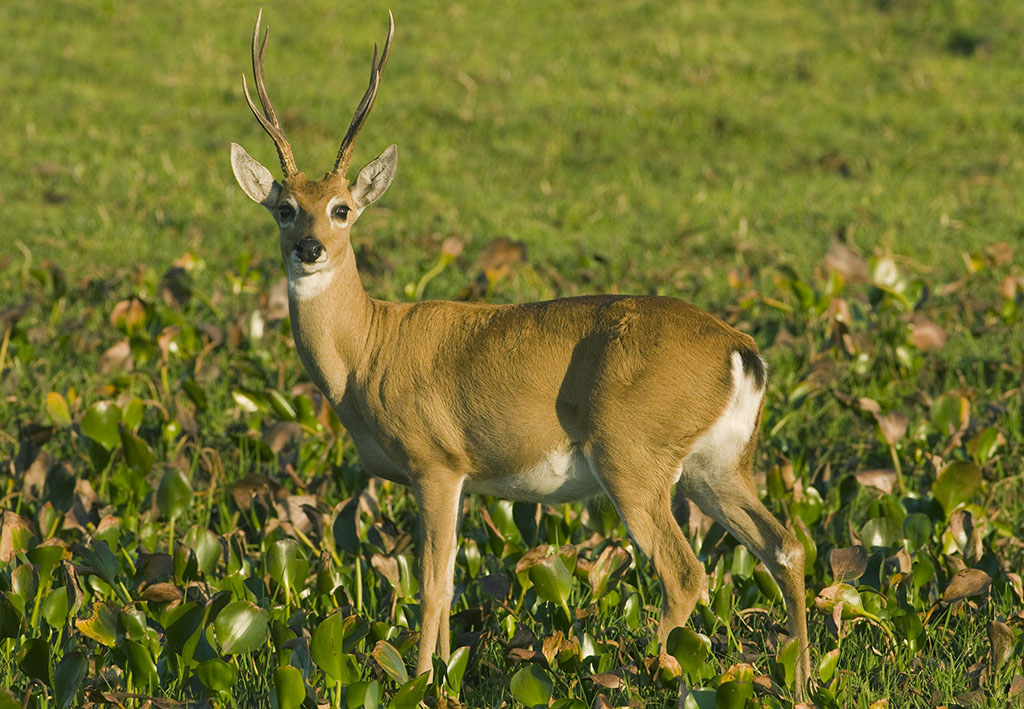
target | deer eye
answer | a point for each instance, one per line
(339, 212)
(286, 212)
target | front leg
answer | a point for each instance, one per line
(439, 496)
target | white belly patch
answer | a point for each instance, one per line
(560, 476)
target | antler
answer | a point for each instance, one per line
(348, 143)
(267, 118)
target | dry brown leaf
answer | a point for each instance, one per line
(1000, 640)
(497, 586)
(15, 535)
(893, 426)
(281, 434)
(162, 593)
(116, 358)
(847, 263)
(608, 680)
(927, 335)
(386, 566)
(883, 479)
(849, 563)
(966, 583)
(128, 315)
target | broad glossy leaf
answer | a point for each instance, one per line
(553, 581)
(532, 686)
(827, 599)
(25, 581)
(881, 532)
(174, 494)
(956, 484)
(390, 661)
(68, 676)
(363, 695)
(787, 657)
(966, 583)
(734, 694)
(142, 665)
(99, 422)
(410, 694)
(827, 665)
(55, 607)
(241, 627)
(34, 659)
(766, 583)
(456, 670)
(182, 623)
(136, 451)
(289, 689)
(100, 559)
(287, 564)
(217, 675)
(101, 626)
(688, 648)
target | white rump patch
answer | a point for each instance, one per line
(308, 280)
(560, 476)
(721, 446)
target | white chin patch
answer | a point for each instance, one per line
(308, 280)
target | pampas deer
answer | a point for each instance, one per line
(625, 396)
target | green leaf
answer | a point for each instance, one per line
(289, 689)
(766, 583)
(57, 408)
(456, 670)
(956, 484)
(181, 624)
(174, 494)
(136, 451)
(363, 695)
(687, 648)
(100, 424)
(216, 675)
(327, 648)
(195, 393)
(552, 579)
(68, 676)
(100, 559)
(786, 657)
(282, 407)
(241, 627)
(287, 565)
(733, 694)
(101, 626)
(55, 607)
(390, 661)
(142, 665)
(410, 694)
(34, 660)
(881, 532)
(827, 665)
(206, 546)
(532, 686)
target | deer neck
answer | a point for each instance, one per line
(331, 317)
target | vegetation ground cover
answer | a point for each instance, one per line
(183, 519)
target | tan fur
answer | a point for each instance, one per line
(455, 397)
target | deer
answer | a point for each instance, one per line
(634, 398)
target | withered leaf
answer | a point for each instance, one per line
(883, 480)
(893, 426)
(386, 566)
(608, 680)
(116, 358)
(497, 586)
(966, 583)
(848, 563)
(1000, 640)
(927, 335)
(847, 263)
(162, 593)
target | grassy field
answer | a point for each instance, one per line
(183, 519)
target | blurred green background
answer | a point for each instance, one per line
(668, 139)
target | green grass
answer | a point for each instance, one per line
(713, 151)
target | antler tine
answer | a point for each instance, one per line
(267, 117)
(363, 109)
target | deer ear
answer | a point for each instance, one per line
(374, 179)
(254, 179)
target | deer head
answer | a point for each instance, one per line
(314, 217)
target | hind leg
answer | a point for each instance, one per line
(733, 502)
(645, 505)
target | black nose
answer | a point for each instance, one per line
(308, 249)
